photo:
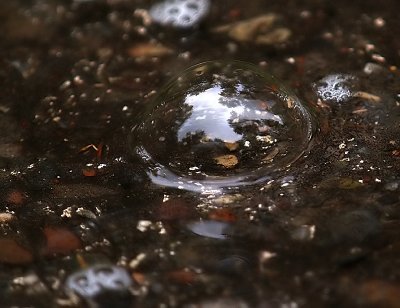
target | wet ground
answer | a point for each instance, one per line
(84, 219)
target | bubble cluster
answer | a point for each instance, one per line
(336, 88)
(180, 13)
(98, 282)
(220, 124)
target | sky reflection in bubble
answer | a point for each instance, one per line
(220, 124)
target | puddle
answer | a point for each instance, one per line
(139, 170)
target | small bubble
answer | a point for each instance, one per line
(218, 110)
(336, 88)
(180, 13)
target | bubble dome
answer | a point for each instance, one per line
(220, 124)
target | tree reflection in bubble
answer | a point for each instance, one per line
(221, 124)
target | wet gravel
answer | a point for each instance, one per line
(77, 76)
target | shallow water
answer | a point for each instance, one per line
(319, 230)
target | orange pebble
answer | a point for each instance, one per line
(182, 276)
(89, 172)
(13, 253)
(16, 197)
(60, 241)
(222, 215)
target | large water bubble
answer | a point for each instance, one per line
(221, 124)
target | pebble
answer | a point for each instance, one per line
(147, 50)
(60, 241)
(261, 30)
(13, 253)
(372, 68)
(227, 161)
(6, 218)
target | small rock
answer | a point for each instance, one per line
(372, 68)
(260, 30)
(148, 50)
(60, 241)
(89, 172)
(222, 215)
(276, 36)
(174, 209)
(227, 161)
(227, 199)
(368, 97)
(6, 218)
(12, 253)
(16, 197)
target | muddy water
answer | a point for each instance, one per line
(86, 221)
